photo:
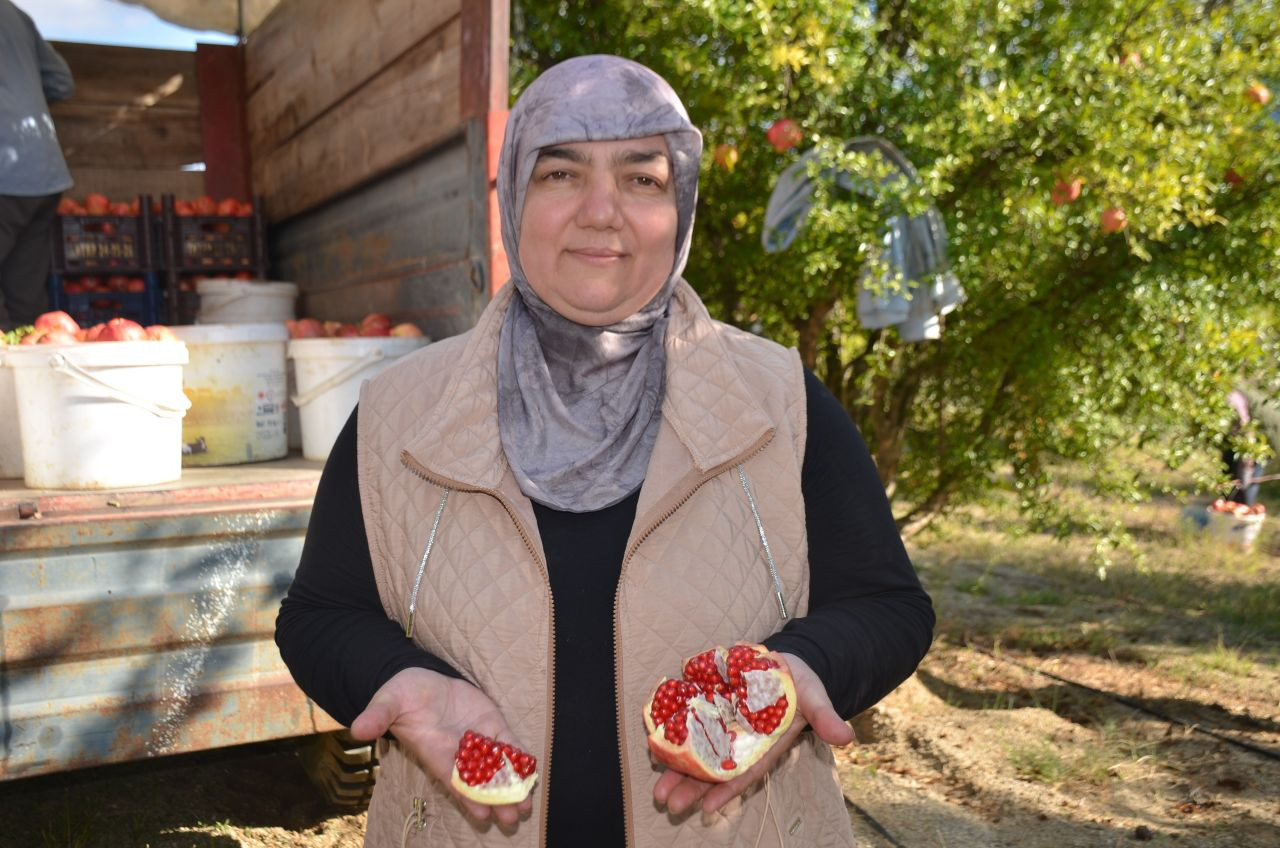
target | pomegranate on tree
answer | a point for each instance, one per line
(492, 772)
(784, 134)
(1066, 190)
(726, 156)
(1113, 219)
(724, 713)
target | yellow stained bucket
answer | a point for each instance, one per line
(236, 383)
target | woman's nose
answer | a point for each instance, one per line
(600, 208)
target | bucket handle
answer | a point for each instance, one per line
(62, 365)
(302, 399)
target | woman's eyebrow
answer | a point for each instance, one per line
(639, 157)
(581, 157)
(567, 153)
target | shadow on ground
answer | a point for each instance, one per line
(1086, 708)
(260, 785)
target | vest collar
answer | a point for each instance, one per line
(707, 403)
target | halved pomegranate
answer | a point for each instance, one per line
(727, 710)
(492, 772)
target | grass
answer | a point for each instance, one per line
(1221, 658)
(1110, 755)
(1041, 593)
(1040, 598)
(1228, 660)
(1039, 761)
(66, 831)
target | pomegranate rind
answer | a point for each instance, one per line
(747, 746)
(683, 758)
(493, 793)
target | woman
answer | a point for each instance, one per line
(561, 504)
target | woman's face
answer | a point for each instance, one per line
(598, 229)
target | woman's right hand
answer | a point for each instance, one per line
(428, 713)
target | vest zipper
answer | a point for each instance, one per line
(670, 510)
(422, 565)
(417, 468)
(764, 543)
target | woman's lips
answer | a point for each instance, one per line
(596, 256)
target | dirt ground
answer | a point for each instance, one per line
(987, 745)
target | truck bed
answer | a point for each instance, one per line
(138, 622)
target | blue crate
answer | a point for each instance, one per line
(89, 308)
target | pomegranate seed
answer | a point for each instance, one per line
(479, 758)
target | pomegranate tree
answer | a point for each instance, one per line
(718, 719)
(492, 772)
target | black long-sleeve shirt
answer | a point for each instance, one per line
(868, 625)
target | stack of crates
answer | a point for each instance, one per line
(199, 246)
(105, 266)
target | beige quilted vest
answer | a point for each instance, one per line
(695, 572)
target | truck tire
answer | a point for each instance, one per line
(343, 768)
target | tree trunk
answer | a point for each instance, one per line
(811, 331)
(924, 512)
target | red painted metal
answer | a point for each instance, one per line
(484, 93)
(499, 270)
(220, 77)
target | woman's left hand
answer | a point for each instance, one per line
(679, 792)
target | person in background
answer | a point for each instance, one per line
(33, 173)
(522, 528)
(1251, 404)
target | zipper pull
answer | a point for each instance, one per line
(415, 821)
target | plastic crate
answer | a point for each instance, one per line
(213, 243)
(96, 307)
(86, 244)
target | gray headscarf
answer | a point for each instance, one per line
(579, 407)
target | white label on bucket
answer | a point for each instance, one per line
(269, 412)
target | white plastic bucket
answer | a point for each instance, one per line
(236, 384)
(10, 435)
(1239, 531)
(329, 373)
(244, 301)
(100, 415)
